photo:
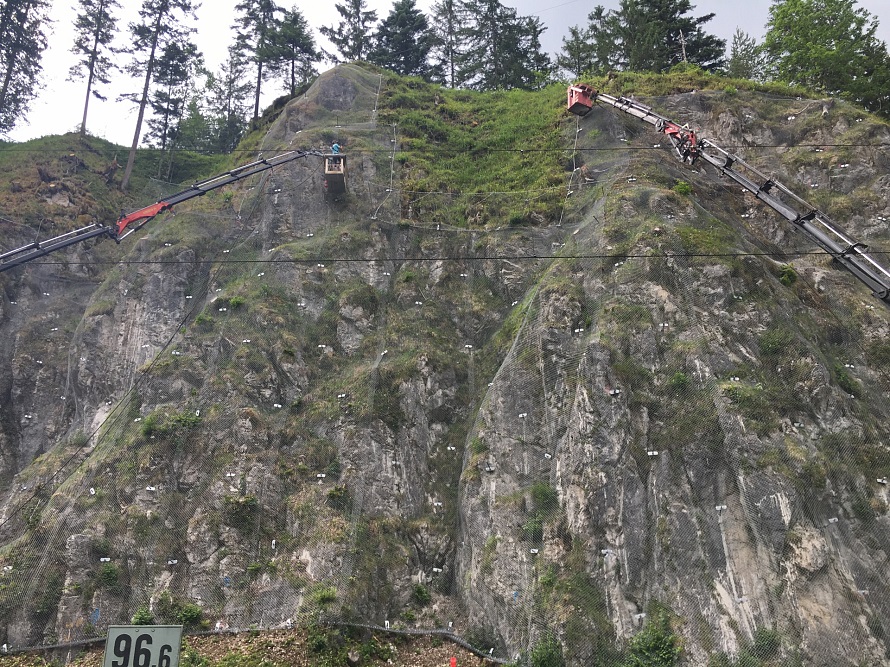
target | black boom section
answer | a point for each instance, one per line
(132, 221)
(813, 223)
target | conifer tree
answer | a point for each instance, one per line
(745, 57)
(352, 36)
(403, 41)
(255, 28)
(226, 102)
(576, 57)
(501, 49)
(172, 85)
(445, 53)
(293, 50)
(95, 28)
(161, 22)
(599, 31)
(654, 35)
(22, 43)
(592, 49)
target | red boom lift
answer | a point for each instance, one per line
(812, 222)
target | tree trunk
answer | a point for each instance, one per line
(94, 54)
(86, 102)
(256, 97)
(131, 158)
(10, 63)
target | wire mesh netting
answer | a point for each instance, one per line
(619, 431)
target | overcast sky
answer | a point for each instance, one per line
(60, 105)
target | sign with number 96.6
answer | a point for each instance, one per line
(142, 646)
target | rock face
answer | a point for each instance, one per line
(319, 407)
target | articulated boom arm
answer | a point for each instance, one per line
(817, 226)
(130, 222)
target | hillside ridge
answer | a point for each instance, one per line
(531, 378)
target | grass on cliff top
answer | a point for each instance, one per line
(685, 78)
(470, 158)
(74, 168)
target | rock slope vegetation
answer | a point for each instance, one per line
(529, 378)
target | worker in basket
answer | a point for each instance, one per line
(336, 160)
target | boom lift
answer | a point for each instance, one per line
(817, 226)
(129, 223)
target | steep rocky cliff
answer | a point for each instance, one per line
(605, 392)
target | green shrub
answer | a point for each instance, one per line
(143, 616)
(545, 498)
(323, 596)
(775, 341)
(679, 381)
(547, 653)
(374, 649)
(181, 612)
(149, 426)
(766, 643)
(682, 188)
(787, 275)
(532, 530)
(846, 382)
(338, 498)
(654, 646)
(421, 595)
(189, 615)
(109, 576)
(813, 475)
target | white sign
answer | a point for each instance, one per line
(143, 646)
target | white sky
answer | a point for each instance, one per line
(59, 107)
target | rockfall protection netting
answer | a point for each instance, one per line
(599, 462)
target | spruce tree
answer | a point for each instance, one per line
(161, 23)
(226, 102)
(576, 57)
(449, 18)
(403, 41)
(599, 31)
(293, 50)
(22, 43)
(591, 50)
(352, 36)
(255, 28)
(745, 57)
(95, 28)
(172, 85)
(502, 50)
(654, 35)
